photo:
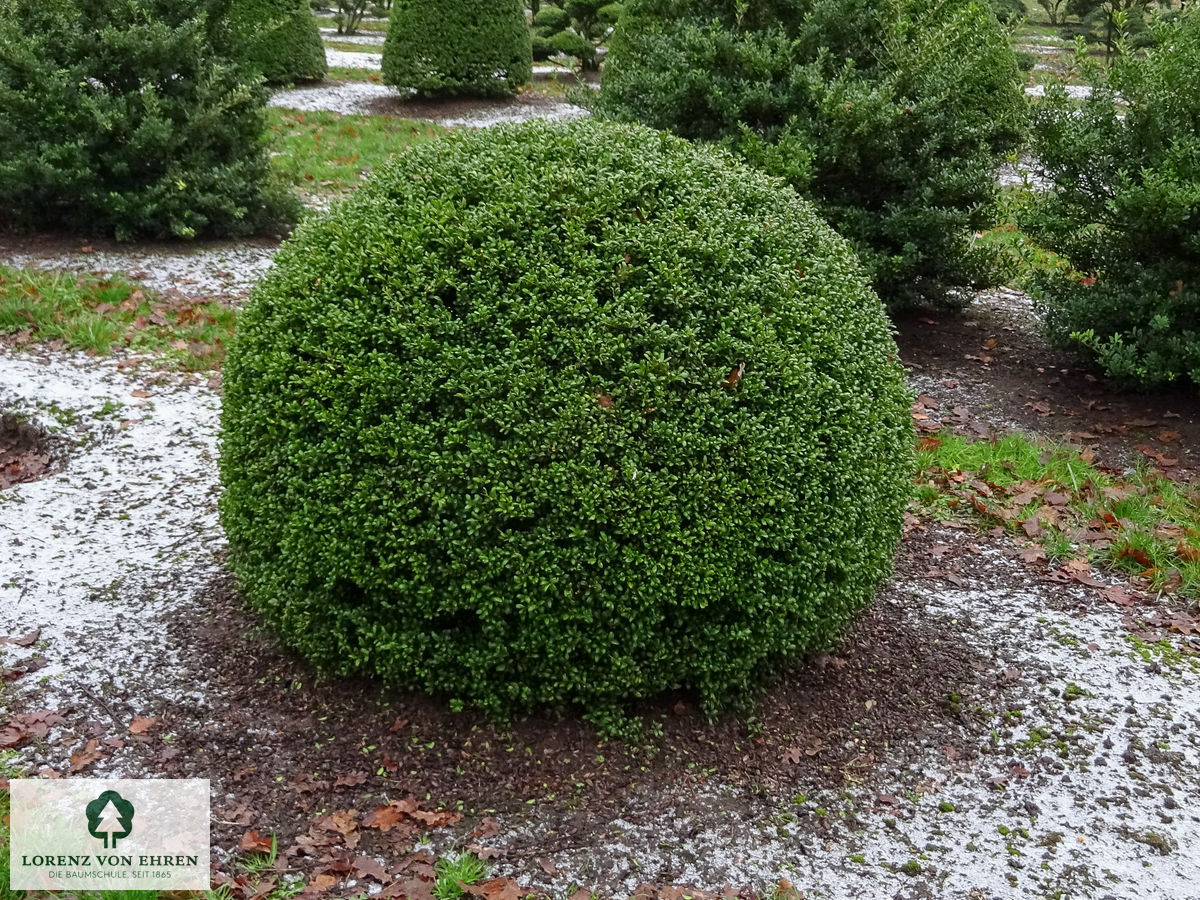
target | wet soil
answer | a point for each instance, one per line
(989, 360)
(27, 452)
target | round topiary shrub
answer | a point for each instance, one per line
(469, 47)
(280, 39)
(564, 416)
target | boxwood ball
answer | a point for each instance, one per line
(564, 416)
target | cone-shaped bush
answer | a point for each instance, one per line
(466, 47)
(890, 114)
(564, 416)
(130, 118)
(280, 39)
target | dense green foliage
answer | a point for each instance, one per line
(1125, 209)
(280, 39)
(574, 28)
(890, 115)
(472, 47)
(487, 430)
(131, 119)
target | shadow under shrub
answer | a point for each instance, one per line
(468, 47)
(279, 39)
(484, 431)
(1124, 209)
(890, 115)
(131, 119)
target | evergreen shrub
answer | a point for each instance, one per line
(1124, 209)
(564, 416)
(466, 47)
(280, 39)
(892, 115)
(131, 119)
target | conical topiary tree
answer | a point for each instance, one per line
(472, 47)
(280, 39)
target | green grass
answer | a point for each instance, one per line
(98, 315)
(466, 868)
(351, 47)
(324, 152)
(1137, 523)
(344, 73)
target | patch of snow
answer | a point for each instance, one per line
(375, 38)
(350, 97)
(223, 269)
(346, 97)
(345, 59)
(516, 112)
(101, 555)
(1075, 91)
(1045, 49)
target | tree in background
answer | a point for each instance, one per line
(1056, 10)
(280, 39)
(576, 28)
(469, 47)
(890, 115)
(1124, 208)
(1115, 18)
(132, 119)
(350, 14)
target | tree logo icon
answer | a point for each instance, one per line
(110, 817)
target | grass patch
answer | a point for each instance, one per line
(453, 872)
(345, 73)
(324, 152)
(351, 47)
(1138, 523)
(98, 315)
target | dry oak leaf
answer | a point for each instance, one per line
(253, 842)
(89, 754)
(370, 868)
(387, 817)
(25, 640)
(495, 889)
(142, 724)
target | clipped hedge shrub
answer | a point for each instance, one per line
(487, 430)
(890, 114)
(1125, 210)
(280, 39)
(131, 119)
(468, 47)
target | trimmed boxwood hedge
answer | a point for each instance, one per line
(468, 47)
(280, 39)
(484, 432)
